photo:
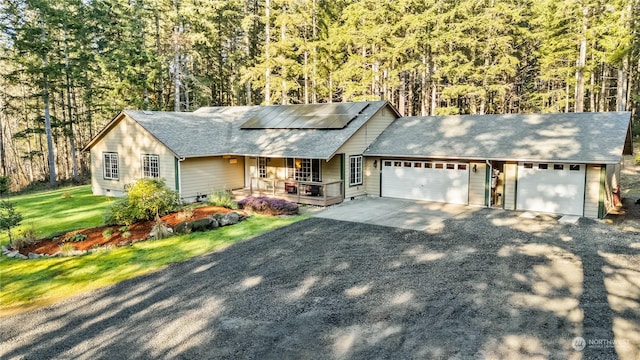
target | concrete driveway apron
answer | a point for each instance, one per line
(400, 213)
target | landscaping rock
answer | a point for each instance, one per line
(229, 219)
(183, 228)
(20, 256)
(4, 250)
(34, 255)
(201, 224)
(213, 222)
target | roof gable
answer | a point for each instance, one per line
(566, 137)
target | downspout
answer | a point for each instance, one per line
(489, 179)
(179, 176)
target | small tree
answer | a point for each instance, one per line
(9, 217)
(4, 185)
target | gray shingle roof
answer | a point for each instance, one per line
(565, 137)
(213, 131)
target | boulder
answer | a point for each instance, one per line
(201, 224)
(229, 219)
(34, 255)
(183, 228)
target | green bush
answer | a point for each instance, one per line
(77, 237)
(107, 233)
(145, 200)
(25, 238)
(223, 199)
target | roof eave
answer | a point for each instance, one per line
(475, 158)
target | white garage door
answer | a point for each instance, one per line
(553, 188)
(424, 180)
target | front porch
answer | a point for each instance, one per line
(301, 192)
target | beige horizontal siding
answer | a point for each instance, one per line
(360, 141)
(202, 176)
(592, 191)
(510, 182)
(372, 176)
(477, 183)
(130, 141)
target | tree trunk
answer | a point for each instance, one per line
(621, 99)
(72, 141)
(47, 116)
(267, 59)
(403, 94)
(177, 71)
(582, 59)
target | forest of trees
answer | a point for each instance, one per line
(67, 67)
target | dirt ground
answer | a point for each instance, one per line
(487, 285)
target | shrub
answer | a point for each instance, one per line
(25, 238)
(66, 195)
(146, 199)
(107, 233)
(67, 249)
(9, 217)
(126, 234)
(77, 238)
(270, 206)
(222, 198)
(160, 229)
(185, 214)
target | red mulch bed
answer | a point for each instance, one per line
(139, 231)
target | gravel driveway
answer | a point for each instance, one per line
(485, 285)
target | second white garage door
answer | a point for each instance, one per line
(424, 180)
(552, 188)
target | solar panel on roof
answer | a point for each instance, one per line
(316, 116)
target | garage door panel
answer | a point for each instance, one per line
(425, 183)
(551, 190)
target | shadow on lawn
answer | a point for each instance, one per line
(328, 289)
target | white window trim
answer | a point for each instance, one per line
(144, 172)
(355, 174)
(112, 156)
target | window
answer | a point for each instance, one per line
(574, 167)
(397, 163)
(462, 167)
(262, 167)
(111, 166)
(428, 165)
(451, 166)
(355, 170)
(543, 166)
(387, 163)
(407, 164)
(558, 167)
(150, 166)
(439, 166)
(528, 165)
(304, 169)
(417, 165)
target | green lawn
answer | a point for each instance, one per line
(60, 210)
(32, 283)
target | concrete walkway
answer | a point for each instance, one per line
(400, 213)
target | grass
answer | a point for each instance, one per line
(26, 284)
(59, 210)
